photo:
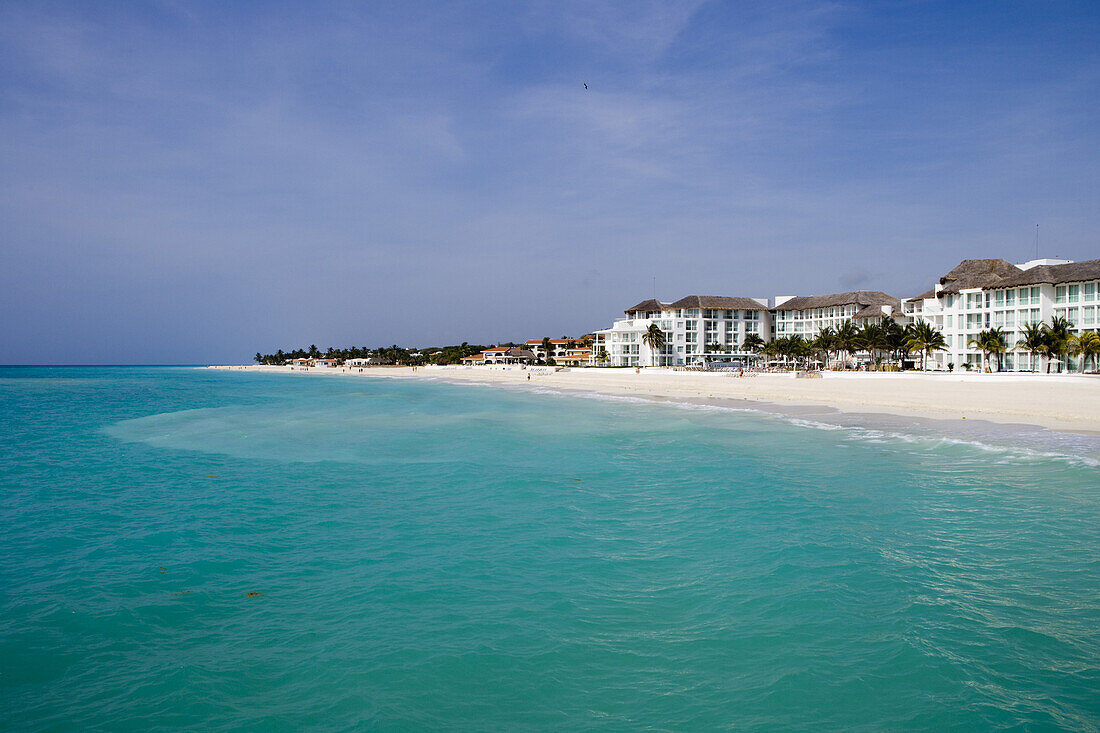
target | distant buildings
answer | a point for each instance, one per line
(974, 296)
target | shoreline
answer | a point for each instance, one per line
(1062, 403)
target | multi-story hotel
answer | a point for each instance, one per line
(808, 316)
(974, 296)
(994, 293)
(696, 328)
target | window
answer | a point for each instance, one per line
(1010, 297)
(1074, 293)
(999, 298)
(1089, 290)
(1060, 294)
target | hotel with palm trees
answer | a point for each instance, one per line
(983, 314)
(694, 329)
(1028, 317)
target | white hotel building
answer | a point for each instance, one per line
(974, 296)
(698, 327)
(807, 316)
(994, 293)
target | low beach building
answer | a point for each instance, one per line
(576, 357)
(559, 348)
(501, 355)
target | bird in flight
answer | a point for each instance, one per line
(585, 86)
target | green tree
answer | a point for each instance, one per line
(990, 341)
(752, 342)
(824, 343)
(654, 338)
(1058, 333)
(925, 338)
(1086, 345)
(1033, 341)
(602, 356)
(872, 339)
(846, 339)
(547, 350)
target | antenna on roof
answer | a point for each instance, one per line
(655, 287)
(1036, 241)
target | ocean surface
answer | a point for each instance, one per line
(189, 549)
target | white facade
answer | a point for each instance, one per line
(1007, 299)
(807, 317)
(696, 329)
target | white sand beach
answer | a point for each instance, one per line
(1063, 402)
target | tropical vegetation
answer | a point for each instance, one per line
(655, 339)
(990, 341)
(925, 338)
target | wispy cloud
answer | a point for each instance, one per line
(202, 162)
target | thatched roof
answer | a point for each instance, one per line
(862, 298)
(970, 274)
(870, 311)
(647, 305)
(1055, 274)
(719, 302)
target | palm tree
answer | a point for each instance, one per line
(925, 338)
(752, 342)
(871, 338)
(1057, 338)
(1086, 345)
(990, 341)
(654, 338)
(847, 338)
(547, 350)
(798, 349)
(1033, 341)
(824, 342)
(893, 337)
(603, 357)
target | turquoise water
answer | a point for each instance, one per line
(440, 556)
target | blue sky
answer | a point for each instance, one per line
(192, 182)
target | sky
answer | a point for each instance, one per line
(188, 182)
